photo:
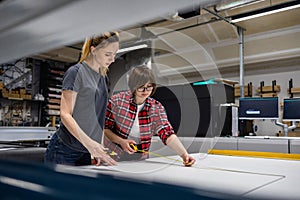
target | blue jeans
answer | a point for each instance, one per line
(58, 153)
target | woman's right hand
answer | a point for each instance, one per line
(125, 144)
(98, 152)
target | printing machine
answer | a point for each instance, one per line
(24, 143)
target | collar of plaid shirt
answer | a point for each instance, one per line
(147, 102)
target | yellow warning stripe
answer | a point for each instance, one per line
(258, 154)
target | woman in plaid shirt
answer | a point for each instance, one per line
(133, 117)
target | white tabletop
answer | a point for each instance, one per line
(239, 176)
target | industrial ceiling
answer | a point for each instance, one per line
(185, 35)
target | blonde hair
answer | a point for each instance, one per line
(99, 41)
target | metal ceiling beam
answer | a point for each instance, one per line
(241, 46)
(223, 18)
(39, 26)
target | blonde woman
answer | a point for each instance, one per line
(83, 104)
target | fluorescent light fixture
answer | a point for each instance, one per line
(232, 4)
(266, 11)
(141, 46)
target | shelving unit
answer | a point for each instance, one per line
(247, 90)
(268, 91)
(293, 90)
(19, 112)
(16, 101)
(51, 82)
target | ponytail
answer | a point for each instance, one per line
(85, 49)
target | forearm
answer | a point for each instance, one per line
(75, 130)
(112, 136)
(96, 150)
(124, 143)
(174, 143)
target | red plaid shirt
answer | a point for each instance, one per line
(121, 112)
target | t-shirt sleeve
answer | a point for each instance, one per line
(71, 79)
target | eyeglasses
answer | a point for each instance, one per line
(142, 89)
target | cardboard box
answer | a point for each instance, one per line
(27, 96)
(237, 91)
(294, 134)
(4, 94)
(22, 91)
(269, 89)
(290, 134)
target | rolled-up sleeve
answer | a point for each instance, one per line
(110, 116)
(163, 128)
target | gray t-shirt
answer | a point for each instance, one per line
(90, 105)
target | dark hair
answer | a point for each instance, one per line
(139, 76)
